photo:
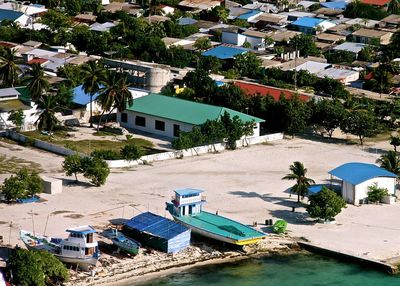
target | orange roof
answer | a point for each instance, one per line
(37, 61)
(255, 88)
(7, 44)
(376, 2)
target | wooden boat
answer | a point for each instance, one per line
(79, 248)
(187, 208)
(123, 242)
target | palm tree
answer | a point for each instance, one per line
(390, 161)
(302, 182)
(394, 7)
(94, 76)
(116, 94)
(36, 82)
(8, 68)
(48, 106)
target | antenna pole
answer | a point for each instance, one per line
(295, 67)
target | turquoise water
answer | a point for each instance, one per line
(296, 270)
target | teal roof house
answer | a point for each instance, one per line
(167, 116)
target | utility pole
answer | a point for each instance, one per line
(295, 67)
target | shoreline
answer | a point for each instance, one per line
(143, 268)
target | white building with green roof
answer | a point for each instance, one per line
(167, 116)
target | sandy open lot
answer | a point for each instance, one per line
(245, 185)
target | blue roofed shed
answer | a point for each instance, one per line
(357, 177)
(308, 25)
(339, 5)
(158, 232)
(224, 52)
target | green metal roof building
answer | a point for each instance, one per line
(167, 116)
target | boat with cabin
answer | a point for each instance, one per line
(79, 248)
(187, 208)
(123, 242)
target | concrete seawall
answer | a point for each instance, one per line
(378, 265)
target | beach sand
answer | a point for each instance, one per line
(244, 185)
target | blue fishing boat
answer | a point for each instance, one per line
(123, 242)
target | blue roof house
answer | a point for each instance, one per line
(310, 25)
(158, 232)
(14, 16)
(224, 52)
(357, 177)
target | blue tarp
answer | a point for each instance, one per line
(249, 14)
(185, 192)
(307, 22)
(356, 173)
(339, 5)
(80, 97)
(156, 225)
(224, 52)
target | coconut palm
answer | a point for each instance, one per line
(9, 70)
(115, 95)
(94, 76)
(36, 82)
(48, 106)
(390, 161)
(298, 174)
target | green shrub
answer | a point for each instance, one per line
(106, 154)
(325, 205)
(22, 185)
(95, 169)
(131, 152)
(376, 194)
(279, 226)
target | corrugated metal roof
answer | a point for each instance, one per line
(356, 173)
(185, 192)
(308, 22)
(81, 97)
(249, 14)
(156, 225)
(339, 5)
(6, 92)
(82, 229)
(224, 52)
(183, 110)
(9, 15)
(351, 47)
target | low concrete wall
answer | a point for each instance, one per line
(193, 151)
(40, 144)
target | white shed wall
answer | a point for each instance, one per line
(361, 190)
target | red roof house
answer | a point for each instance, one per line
(39, 61)
(254, 88)
(380, 3)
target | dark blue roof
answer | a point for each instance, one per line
(185, 192)
(9, 15)
(307, 22)
(80, 97)
(356, 173)
(156, 225)
(339, 5)
(224, 52)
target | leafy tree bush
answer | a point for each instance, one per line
(325, 205)
(96, 170)
(279, 226)
(376, 194)
(17, 118)
(36, 268)
(23, 185)
(329, 114)
(340, 57)
(106, 154)
(357, 9)
(131, 152)
(72, 165)
(361, 123)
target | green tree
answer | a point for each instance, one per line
(22, 185)
(94, 78)
(246, 45)
(202, 44)
(48, 106)
(390, 161)
(394, 7)
(248, 64)
(376, 194)
(233, 128)
(17, 117)
(295, 114)
(131, 152)
(36, 268)
(340, 57)
(96, 170)
(36, 82)
(210, 64)
(213, 131)
(9, 69)
(361, 123)
(298, 174)
(56, 20)
(72, 165)
(329, 114)
(325, 205)
(395, 142)
(305, 44)
(367, 54)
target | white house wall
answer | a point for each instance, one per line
(348, 192)
(361, 190)
(254, 41)
(31, 116)
(233, 38)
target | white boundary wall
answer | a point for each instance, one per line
(192, 152)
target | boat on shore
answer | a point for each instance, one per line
(123, 242)
(186, 207)
(79, 248)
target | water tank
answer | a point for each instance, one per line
(156, 79)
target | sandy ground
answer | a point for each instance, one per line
(245, 185)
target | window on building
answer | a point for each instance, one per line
(124, 117)
(140, 121)
(177, 129)
(160, 125)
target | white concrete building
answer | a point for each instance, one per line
(357, 177)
